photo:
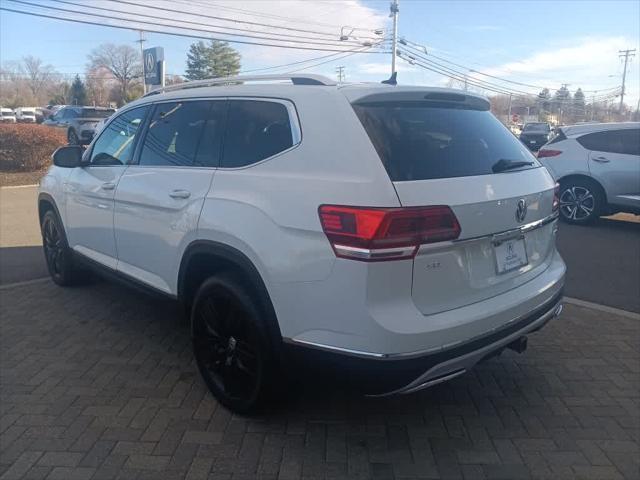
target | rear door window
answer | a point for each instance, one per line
(611, 141)
(420, 141)
(256, 130)
(631, 141)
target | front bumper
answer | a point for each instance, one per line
(397, 375)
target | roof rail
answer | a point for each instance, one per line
(304, 79)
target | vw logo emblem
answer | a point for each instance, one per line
(149, 63)
(521, 210)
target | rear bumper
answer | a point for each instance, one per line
(397, 375)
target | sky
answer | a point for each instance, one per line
(539, 43)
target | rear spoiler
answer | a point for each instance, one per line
(444, 99)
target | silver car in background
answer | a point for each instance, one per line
(598, 168)
(79, 122)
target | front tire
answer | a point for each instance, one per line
(231, 345)
(57, 254)
(581, 202)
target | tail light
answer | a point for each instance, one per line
(556, 198)
(377, 234)
(543, 153)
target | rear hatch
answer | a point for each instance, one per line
(450, 150)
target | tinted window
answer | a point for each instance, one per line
(613, 141)
(115, 144)
(69, 114)
(255, 130)
(418, 142)
(174, 133)
(537, 128)
(631, 141)
(209, 150)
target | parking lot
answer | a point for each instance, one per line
(98, 382)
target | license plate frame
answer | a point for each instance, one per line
(510, 254)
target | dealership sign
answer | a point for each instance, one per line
(153, 59)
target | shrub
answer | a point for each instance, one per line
(28, 147)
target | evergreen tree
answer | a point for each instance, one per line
(223, 60)
(544, 98)
(217, 59)
(197, 61)
(579, 104)
(77, 93)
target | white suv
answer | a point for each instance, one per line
(598, 167)
(401, 233)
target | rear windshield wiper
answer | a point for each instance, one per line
(503, 165)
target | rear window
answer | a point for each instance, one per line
(95, 113)
(420, 142)
(536, 128)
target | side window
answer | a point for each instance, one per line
(255, 130)
(70, 114)
(174, 133)
(595, 141)
(631, 141)
(115, 144)
(209, 150)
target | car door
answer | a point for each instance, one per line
(90, 189)
(159, 198)
(614, 161)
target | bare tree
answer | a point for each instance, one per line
(99, 83)
(122, 61)
(38, 75)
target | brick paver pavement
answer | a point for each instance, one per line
(99, 383)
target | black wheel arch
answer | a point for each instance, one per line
(46, 203)
(204, 258)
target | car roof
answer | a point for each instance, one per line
(288, 90)
(576, 130)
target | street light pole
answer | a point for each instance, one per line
(141, 41)
(394, 13)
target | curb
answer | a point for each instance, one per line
(602, 308)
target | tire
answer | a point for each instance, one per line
(581, 201)
(231, 344)
(72, 137)
(57, 254)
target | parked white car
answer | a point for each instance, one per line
(7, 115)
(401, 233)
(26, 114)
(598, 168)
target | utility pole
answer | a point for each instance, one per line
(564, 87)
(509, 114)
(465, 82)
(141, 41)
(593, 105)
(626, 54)
(394, 13)
(341, 74)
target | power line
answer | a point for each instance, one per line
(111, 17)
(175, 34)
(214, 17)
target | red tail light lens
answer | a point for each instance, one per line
(556, 198)
(376, 234)
(548, 153)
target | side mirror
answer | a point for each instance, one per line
(68, 157)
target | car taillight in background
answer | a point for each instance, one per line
(543, 153)
(556, 198)
(376, 234)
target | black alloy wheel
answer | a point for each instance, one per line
(230, 344)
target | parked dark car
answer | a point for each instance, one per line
(535, 134)
(79, 122)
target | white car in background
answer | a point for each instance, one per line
(26, 114)
(7, 115)
(598, 168)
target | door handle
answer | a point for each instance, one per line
(180, 194)
(108, 186)
(601, 159)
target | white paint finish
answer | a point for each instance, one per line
(89, 210)
(619, 174)
(152, 228)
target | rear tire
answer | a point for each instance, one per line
(581, 201)
(57, 254)
(231, 344)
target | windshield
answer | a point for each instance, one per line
(95, 113)
(537, 127)
(7, 114)
(417, 141)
